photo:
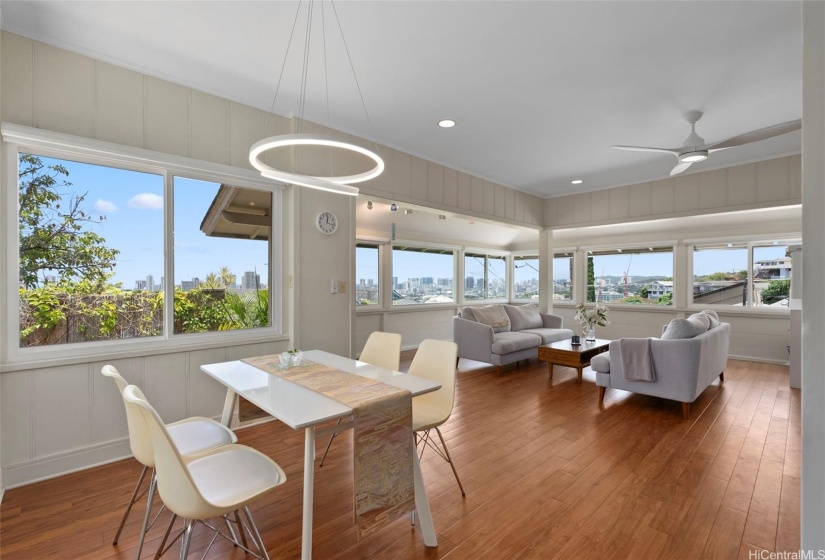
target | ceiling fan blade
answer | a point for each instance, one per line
(757, 135)
(643, 149)
(680, 167)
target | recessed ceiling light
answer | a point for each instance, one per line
(576, 182)
(446, 123)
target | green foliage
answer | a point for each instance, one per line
(666, 299)
(52, 239)
(777, 290)
(644, 292)
(591, 280)
(633, 299)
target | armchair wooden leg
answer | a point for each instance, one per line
(498, 370)
(722, 377)
(685, 411)
(456, 362)
(601, 395)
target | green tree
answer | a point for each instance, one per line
(666, 299)
(777, 290)
(591, 280)
(227, 276)
(644, 292)
(53, 230)
(212, 281)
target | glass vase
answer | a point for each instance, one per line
(590, 334)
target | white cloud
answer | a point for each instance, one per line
(104, 206)
(147, 201)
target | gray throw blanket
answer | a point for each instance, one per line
(637, 364)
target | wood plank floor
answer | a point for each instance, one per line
(548, 474)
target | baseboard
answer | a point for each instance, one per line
(762, 360)
(59, 464)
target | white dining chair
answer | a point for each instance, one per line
(213, 484)
(382, 349)
(435, 360)
(191, 436)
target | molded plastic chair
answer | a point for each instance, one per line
(213, 484)
(383, 350)
(435, 360)
(191, 436)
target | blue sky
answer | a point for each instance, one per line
(132, 203)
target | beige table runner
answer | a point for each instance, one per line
(382, 440)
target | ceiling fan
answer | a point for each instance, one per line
(695, 149)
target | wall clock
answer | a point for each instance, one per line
(326, 222)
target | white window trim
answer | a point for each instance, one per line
(456, 249)
(750, 243)
(512, 280)
(631, 248)
(379, 242)
(19, 138)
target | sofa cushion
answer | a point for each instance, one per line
(687, 328)
(507, 342)
(601, 362)
(550, 335)
(524, 317)
(494, 316)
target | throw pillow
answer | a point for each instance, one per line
(524, 317)
(494, 316)
(686, 328)
(714, 318)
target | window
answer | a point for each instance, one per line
(221, 256)
(422, 275)
(526, 277)
(563, 277)
(485, 276)
(721, 274)
(90, 252)
(771, 276)
(634, 276)
(96, 258)
(366, 274)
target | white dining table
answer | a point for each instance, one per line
(301, 408)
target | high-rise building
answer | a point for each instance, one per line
(469, 283)
(251, 281)
(140, 284)
(395, 282)
(150, 283)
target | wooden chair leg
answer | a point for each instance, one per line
(685, 411)
(722, 377)
(601, 394)
(456, 362)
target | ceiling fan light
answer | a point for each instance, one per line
(693, 157)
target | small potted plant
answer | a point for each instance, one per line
(589, 318)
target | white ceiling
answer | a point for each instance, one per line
(540, 90)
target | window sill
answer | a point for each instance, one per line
(136, 349)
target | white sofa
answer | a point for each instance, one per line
(527, 330)
(683, 367)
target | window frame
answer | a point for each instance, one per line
(379, 246)
(750, 243)
(486, 253)
(21, 139)
(455, 250)
(658, 247)
(567, 254)
(521, 255)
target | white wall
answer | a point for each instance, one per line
(813, 311)
(59, 419)
(764, 184)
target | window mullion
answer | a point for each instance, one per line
(169, 254)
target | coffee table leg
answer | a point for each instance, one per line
(550, 367)
(579, 370)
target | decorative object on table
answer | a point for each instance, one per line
(590, 317)
(575, 341)
(290, 358)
